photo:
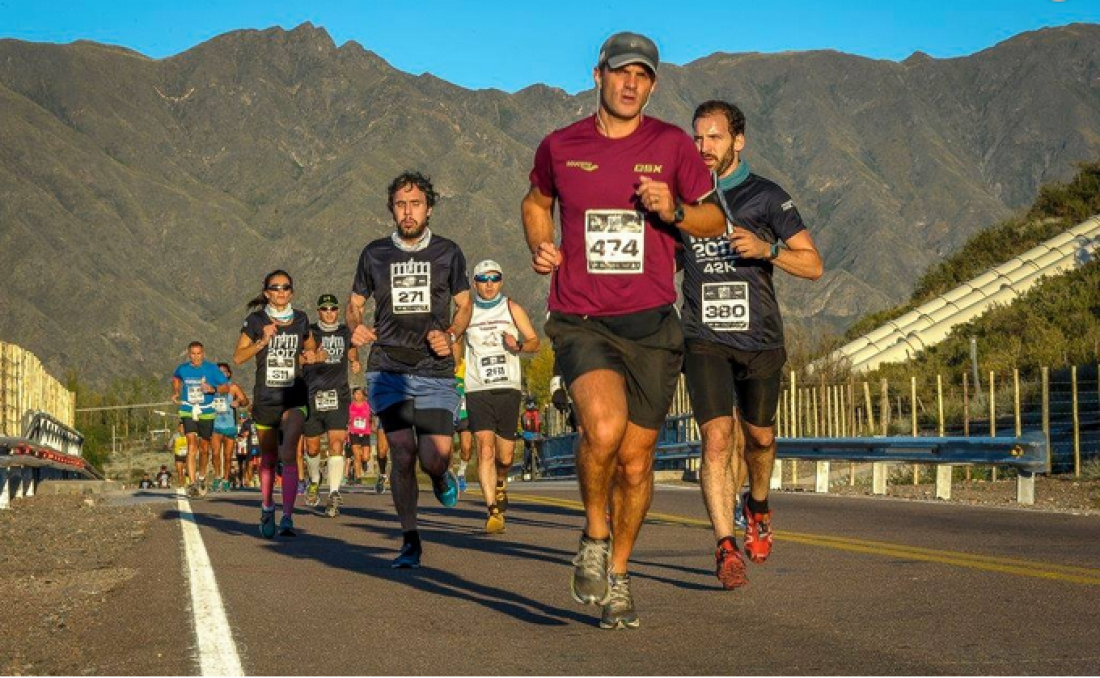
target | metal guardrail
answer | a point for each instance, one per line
(1029, 455)
(47, 450)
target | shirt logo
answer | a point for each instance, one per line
(583, 165)
(644, 168)
(788, 206)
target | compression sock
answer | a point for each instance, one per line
(461, 469)
(290, 488)
(335, 473)
(314, 464)
(267, 478)
(412, 537)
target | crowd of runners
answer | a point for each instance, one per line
(636, 199)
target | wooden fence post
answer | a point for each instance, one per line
(1046, 416)
(1076, 425)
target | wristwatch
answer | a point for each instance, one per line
(678, 213)
(774, 252)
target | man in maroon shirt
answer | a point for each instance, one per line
(624, 183)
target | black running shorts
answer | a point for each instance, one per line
(720, 377)
(203, 427)
(496, 410)
(646, 348)
(360, 439)
(320, 421)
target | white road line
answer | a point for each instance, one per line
(217, 651)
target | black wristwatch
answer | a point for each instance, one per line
(678, 213)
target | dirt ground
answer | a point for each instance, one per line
(62, 555)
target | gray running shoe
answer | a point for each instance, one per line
(193, 491)
(332, 508)
(380, 484)
(618, 612)
(267, 522)
(589, 584)
(202, 486)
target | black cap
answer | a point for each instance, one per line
(622, 49)
(328, 300)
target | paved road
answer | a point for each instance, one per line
(854, 585)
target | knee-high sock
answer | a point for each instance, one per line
(290, 488)
(314, 465)
(335, 473)
(267, 478)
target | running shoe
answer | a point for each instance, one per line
(446, 489)
(202, 486)
(461, 483)
(730, 566)
(495, 522)
(502, 497)
(267, 522)
(380, 485)
(758, 534)
(193, 491)
(590, 568)
(286, 527)
(313, 494)
(301, 487)
(332, 508)
(739, 514)
(409, 558)
(618, 611)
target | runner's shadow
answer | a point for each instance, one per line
(375, 562)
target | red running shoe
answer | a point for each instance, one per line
(758, 533)
(730, 567)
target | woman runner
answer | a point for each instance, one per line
(277, 336)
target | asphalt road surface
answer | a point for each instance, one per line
(853, 586)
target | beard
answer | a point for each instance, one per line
(725, 162)
(411, 231)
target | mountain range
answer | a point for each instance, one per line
(142, 200)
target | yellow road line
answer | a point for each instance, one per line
(1015, 566)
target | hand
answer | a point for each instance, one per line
(269, 331)
(546, 258)
(656, 197)
(356, 367)
(363, 335)
(510, 343)
(176, 398)
(747, 245)
(440, 343)
(207, 388)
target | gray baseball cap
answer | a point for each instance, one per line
(625, 48)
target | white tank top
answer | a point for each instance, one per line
(488, 364)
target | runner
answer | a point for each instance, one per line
(623, 184)
(734, 332)
(194, 385)
(164, 477)
(251, 439)
(531, 423)
(359, 417)
(329, 399)
(225, 428)
(179, 446)
(499, 331)
(462, 422)
(413, 275)
(277, 336)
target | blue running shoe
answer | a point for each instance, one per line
(739, 514)
(409, 558)
(286, 527)
(446, 489)
(461, 484)
(267, 522)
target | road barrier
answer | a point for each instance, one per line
(48, 450)
(677, 448)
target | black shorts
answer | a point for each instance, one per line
(720, 377)
(495, 410)
(404, 415)
(646, 348)
(330, 420)
(271, 416)
(359, 439)
(204, 427)
(463, 424)
(180, 458)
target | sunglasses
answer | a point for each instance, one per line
(329, 308)
(279, 288)
(495, 277)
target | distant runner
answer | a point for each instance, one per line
(225, 428)
(277, 336)
(194, 385)
(179, 446)
(329, 399)
(462, 422)
(624, 184)
(359, 430)
(734, 332)
(499, 331)
(413, 275)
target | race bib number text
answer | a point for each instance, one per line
(726, 306)
(326, 401)
(614, 241)
(410, 287)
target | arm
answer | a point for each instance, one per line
(247, 349)
(238, 394)
(360, 333)
(702, 219)
(353, 360)
(176, 386)
(442, 342)
(800, 257)
(538, 227)
(526, 330)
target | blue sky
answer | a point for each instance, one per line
(509, 45)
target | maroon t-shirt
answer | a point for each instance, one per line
(617, 258)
